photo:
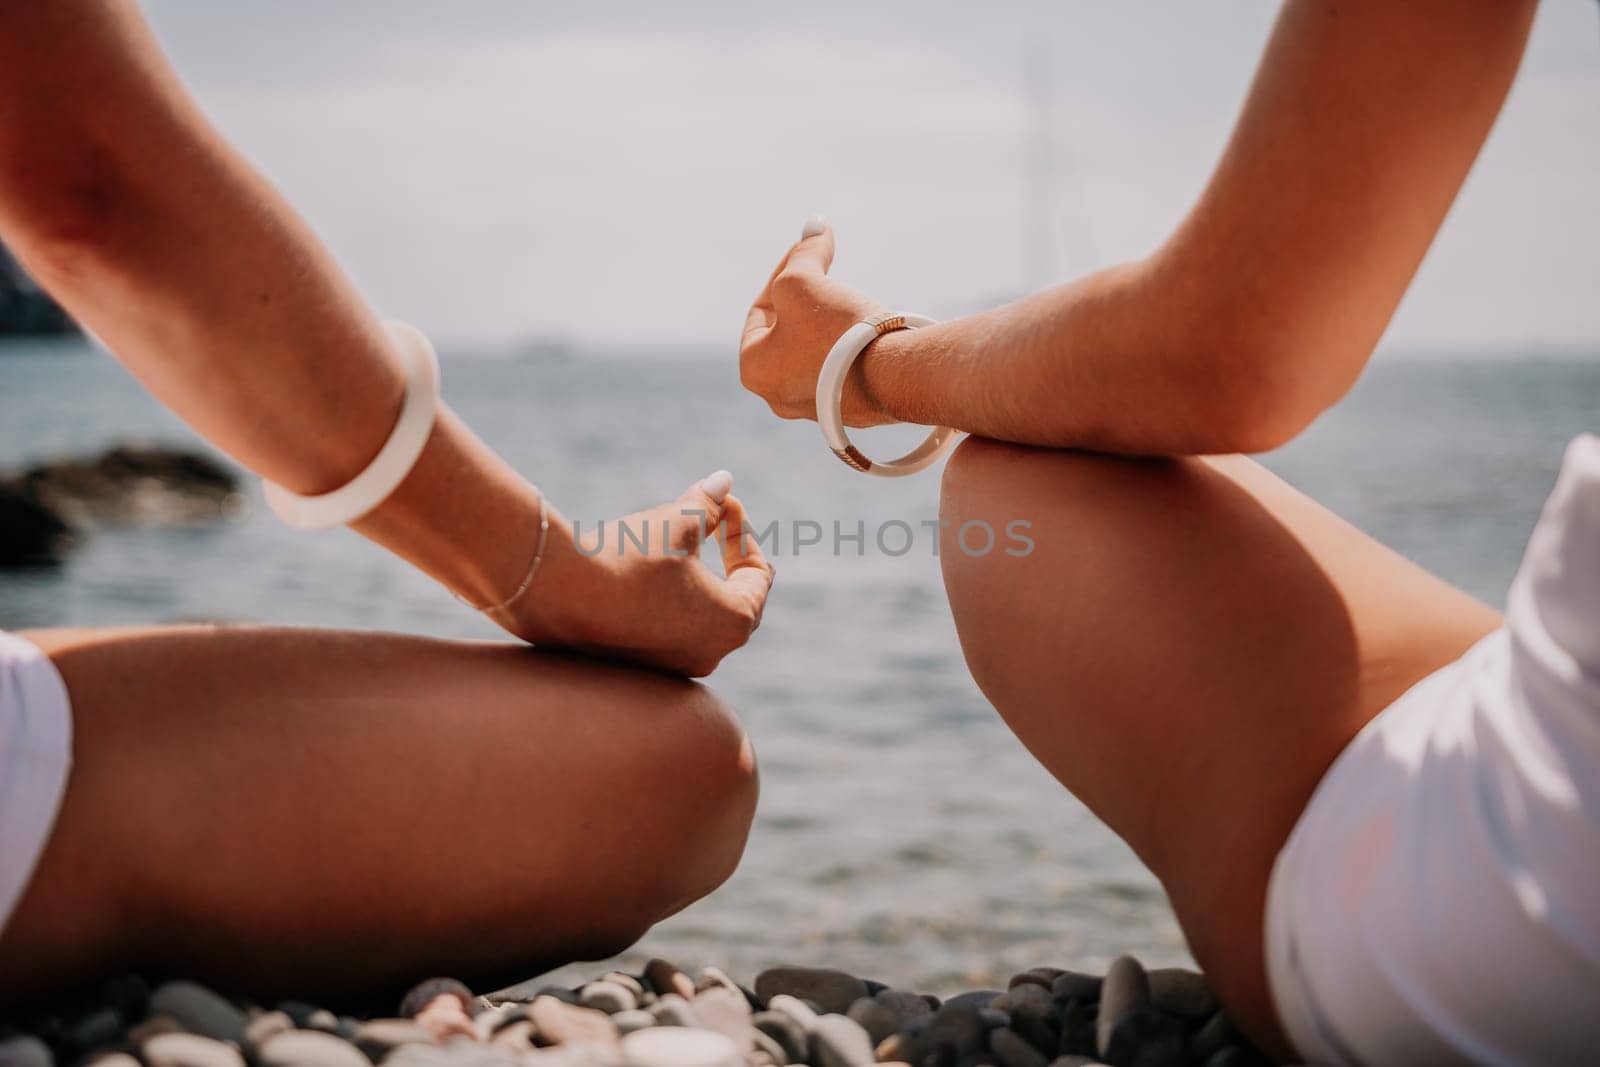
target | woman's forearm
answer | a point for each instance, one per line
(212, 291)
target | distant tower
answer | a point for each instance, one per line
(1040, 222)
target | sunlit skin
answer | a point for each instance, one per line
(1193, 642)
(360, 807)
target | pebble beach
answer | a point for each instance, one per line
(661, 1016)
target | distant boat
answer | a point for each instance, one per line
(25, 309)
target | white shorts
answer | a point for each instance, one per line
(35, 756)
(1438, 901)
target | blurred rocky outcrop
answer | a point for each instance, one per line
(26, 309)
(43, 507)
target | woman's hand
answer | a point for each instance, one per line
(794, 322)
(635, 589)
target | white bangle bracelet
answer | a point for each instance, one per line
(370, 488)
(830, 398)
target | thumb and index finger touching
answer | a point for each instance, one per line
(743, 562)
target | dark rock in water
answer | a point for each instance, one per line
(1077, 1030)
(195, 1050)
(833, 991)
(839, 1041)
(309, 1048)
(32, 534)
(1144, 1036)
(1126, 987)
(1182, 992)
(1071, 985)
(956, 1029)
(785, 1032)
(199, 1010)
(665, 978)
(559, 1023)
(903, 1006)
(1011, 1049)
(25, 1050)
(978, 998)
(143, 485)
(878, 1021)
(424, 993)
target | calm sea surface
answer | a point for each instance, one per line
(903, 833)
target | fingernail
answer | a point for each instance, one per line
(814, 225)
(717, 485)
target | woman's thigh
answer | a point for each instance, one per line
(265, 805)
(1187, 647)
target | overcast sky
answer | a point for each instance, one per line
(627, 173)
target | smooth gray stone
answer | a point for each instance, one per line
(839, 1041)
(1217, 1034)
(109, 1059)
(518, 1037)
(460, 1053)
(608, 997)
(903, 1006)
(677, 1047)
(715, 978)
(933, 1002)
(993, 1017)
(196, 1050)
(559, 1023)
(1039, 976)
(1145, 1036)
(673, 1010)
(199, 1010)
(1077, 1030)
(763, 1044)
(910, 1045)
(264, 1026)
(725, 1011)
(156, 1024)
(664, 977)
(378, 1037)
(626, 981)
(97, 1028)
(796, 1009)
(786, 1032)
(874, 987)
(629, 1021)
(576, 1055)
(1126, 987)
(1074, 985)
(495, 1017)
(1182, 992)
(425, 992)
(1014, 1050)
(1034, 1016)
(25, 1050)
(878, 1021)
(308, 1048)
(1076, 1061)
(832, 991)
(978, 998)
(956, 1029)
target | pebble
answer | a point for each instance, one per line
(1182, 992)
(956, 1029)
(725, 1011)
(832, 991)
(1126, 987)
(786, 1032)
(1145, 1036)
(764, 1046)
(665, 978)
(839, 1041)
(25, 1050)
(878, 1021)
(627, 1022)
(796, 1009)
(608, 997)
(1014, 1050)
(1039, 976)
(559, 1023)
(156, 1024)
(264, 1026)
(426, 992)
(195, 1050)
(309, 1048)
(1076, 1061)
(904, 1006)
(199, 1010)
(626, 981)
(1077, 1030)
(673, 1010)
(1072, 985)
(444, 1017)
(378, 1037)
(978, 998)
(109, 1059)
(910, 1044)
(518, 1036)
(1217, 1034)
(1034, 1016)
(96, 1028)
(678, 1047)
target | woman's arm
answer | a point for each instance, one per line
(1258, 313)
(125, 203)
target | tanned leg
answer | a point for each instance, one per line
(257, 807)
(1187, 648)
